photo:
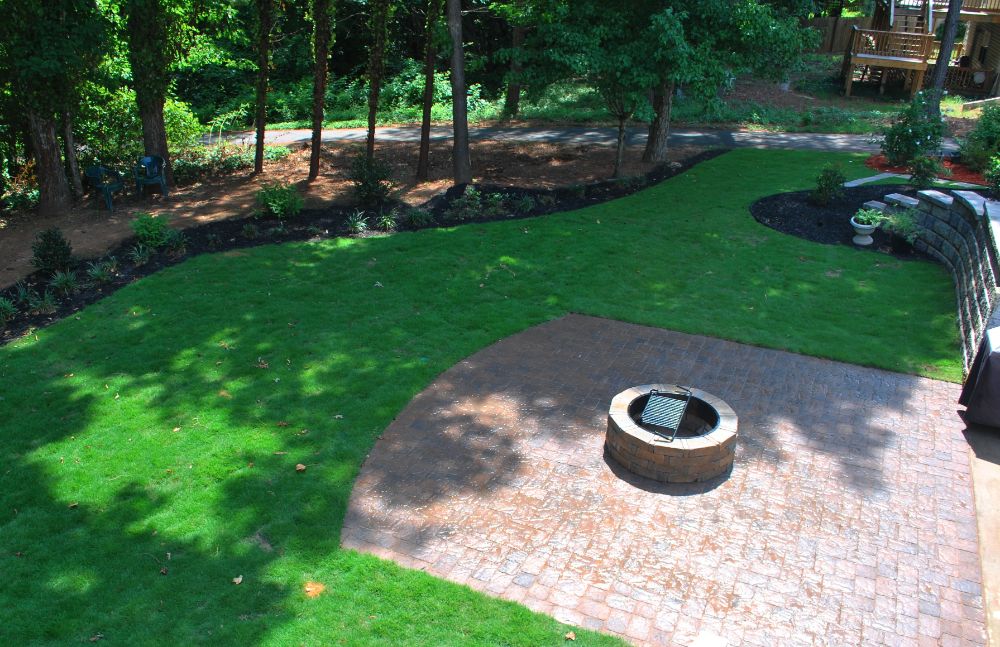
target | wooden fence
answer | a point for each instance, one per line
(836, 32)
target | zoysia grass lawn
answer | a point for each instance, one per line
(149, 443)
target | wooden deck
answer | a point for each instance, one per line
(889, 49)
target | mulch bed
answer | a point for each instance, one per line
(959, 172)
(794, 214)
(316, 224)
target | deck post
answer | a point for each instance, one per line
(918, 82)
(848, 80)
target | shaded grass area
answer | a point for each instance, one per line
(160, 428)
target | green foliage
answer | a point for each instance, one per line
(903, 223)
(493, 205)
(357, 223)
(386, 221)
(176, 242)
(924, 170)
(7, 310)
(829, 185)
(415, 216)
(102, 271)
(868, 217)
(913, 133)
(280, 200)
(960, 30)
(151, 231)
(251, 231)
(110, 130)
(64, 283)
(372, 180)
(993, 175)
(20, 197)
(523, 204)
(983, 143)
(51, 252)
(467, 206)
(140, 255)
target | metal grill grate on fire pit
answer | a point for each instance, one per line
(664, 412)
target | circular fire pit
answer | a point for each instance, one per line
(701, 447)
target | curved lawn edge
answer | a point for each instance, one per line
(170, 417)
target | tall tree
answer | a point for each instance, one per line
(430, 57)
(512, 99)
(376, 66)
(936, 89)
(46, 50)
(265, 23)
(460, 156)
(69, 147)
(153, 28)
(322, 15)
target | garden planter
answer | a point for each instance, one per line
(863, 233)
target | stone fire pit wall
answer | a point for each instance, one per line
(683, 460)
(962, 230)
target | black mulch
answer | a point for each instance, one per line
(315, 224)
(793, 213)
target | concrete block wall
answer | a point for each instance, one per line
(962, 230)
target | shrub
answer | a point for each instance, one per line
(203, 161)
(51, 252)
(44, 305)
(924, 170)
(984, 141)
(386, 221)
(213, 240)
(21, 197)
(903, 224)
(176, 242)
(829, 185)
(139, 255)
(7, 310)
(993, 175)
(913, 133)
(23, 293)
(492, 205)
(372, 180)
(868, 216)
(468, 205)
(524, 204)
(250, 231)
(100, 272)
(278, 199)
(151, 231)
(64, 283)
(357, 223)
(416, 217)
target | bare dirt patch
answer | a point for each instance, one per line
(92, 230)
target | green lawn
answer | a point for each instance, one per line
(143, 433)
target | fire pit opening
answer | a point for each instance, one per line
(671, 433)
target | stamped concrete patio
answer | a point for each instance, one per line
(848, 518)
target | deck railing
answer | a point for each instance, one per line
(985, 6)
(892, 44)
(966, 80)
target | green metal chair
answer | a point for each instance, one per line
(150, 170)
(107, 181)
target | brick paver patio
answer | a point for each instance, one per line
(848, 518)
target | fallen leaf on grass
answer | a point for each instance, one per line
(238, 579)
(225, 394)
(176, 429)
(282, 423)
(96, 637)
(313, 589)
(570, 635)
(73, 505)
(163, 571)
(300, 467)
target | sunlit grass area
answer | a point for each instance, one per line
(150, 443)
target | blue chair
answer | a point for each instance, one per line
(150, 170)
(107, 181)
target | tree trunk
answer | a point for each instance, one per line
(265, 21)
(659, 130)
(54, 196)
(430, 54)
(512, 102)
(944, 56)
(69, 144)
(461, 160)
(376, 61)
(620, 148)
(154, 131)
(321, 45)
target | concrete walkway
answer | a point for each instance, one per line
(599, 136)
(848, 518)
